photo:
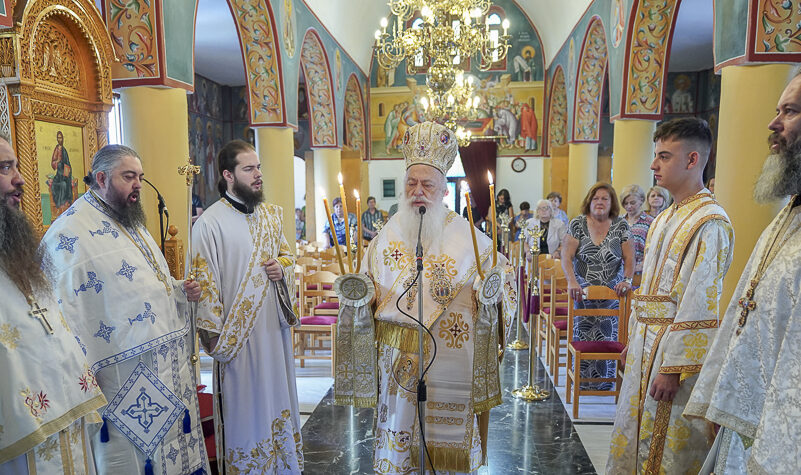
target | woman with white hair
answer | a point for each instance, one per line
(632, 199)
(555, 230)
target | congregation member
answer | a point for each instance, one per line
(748, 385)
(338, 217)
(674, 314)
(49, 394)
(632, 199)
(555, 230)
(129, 316)
(458, 396)
(520, 219)
(372, 220)
(245, 268)
(556, 199)
(597, 250)
(658, 199)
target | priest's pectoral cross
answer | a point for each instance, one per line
(40, 314)
(747, 304)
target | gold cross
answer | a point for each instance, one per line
(40, 314)
(189, 170)
(747, 303)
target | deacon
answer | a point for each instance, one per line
(128, 314)
(749, 384)
(459, 310)
(246, 271)
(674, 312)
(49, 394)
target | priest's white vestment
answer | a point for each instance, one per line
(128, 315)
(674, 317)
(256, 402)
(463, 380)
(48, 394)
(749, 384)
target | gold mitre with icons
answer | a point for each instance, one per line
(430, 144)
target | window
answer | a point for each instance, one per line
(388, 187)
(115, 121)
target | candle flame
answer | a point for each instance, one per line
(465, 186)
(489, 177)
(322, 193)
(339, 177)
(356, 194)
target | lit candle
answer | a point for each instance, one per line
(472, 229)
(494, 220)
(347, 227)
(359, 245)
(333, 232)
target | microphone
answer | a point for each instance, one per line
(162, 203)
(419, 248)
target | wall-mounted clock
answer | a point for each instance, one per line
(518, 164)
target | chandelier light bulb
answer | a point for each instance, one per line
(377, 34)
(476, 12)
(424, 103)
(426, 11)
(384, 22)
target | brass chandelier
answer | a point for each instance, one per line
(454, 104)
(450, 31)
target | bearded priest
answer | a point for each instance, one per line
(128, 314)
(49, 396)
(377, 339)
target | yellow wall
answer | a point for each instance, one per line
(276, 149)
(582, 174)
(633, 153)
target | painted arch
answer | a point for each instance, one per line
(590, 83)
(354, 116)
(645, 71)
(255, 25)
(319, 90)
(557, 111)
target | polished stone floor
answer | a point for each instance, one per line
(536, 437)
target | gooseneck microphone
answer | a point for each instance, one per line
(162, 213)
(419, 247)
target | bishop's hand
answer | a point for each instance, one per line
(192, 290)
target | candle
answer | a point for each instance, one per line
(347, 226)
(494, 220)
(333, 233)
(473, 233)
(359, 246)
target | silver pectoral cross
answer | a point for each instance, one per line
(40, 314)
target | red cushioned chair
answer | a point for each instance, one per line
(578, 351)
(320, 326)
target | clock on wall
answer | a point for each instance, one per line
(518, 164)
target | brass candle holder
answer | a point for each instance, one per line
(531, 391)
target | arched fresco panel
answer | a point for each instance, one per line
(256, 28)
(354, 116)
(590, 83)
(557, 113)
(646, 59)
(319, 88)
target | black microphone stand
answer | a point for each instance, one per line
(162, 213)
(421, 383)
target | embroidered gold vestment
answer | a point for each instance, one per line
(673, 322)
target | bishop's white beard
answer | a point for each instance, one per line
(433, 223)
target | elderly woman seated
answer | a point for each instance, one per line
(555, 230)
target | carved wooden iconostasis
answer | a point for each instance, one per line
(56, 65)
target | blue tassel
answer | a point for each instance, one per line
(148, 467)
(104, 431)
(187, 422)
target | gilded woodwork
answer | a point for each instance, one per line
(590, 83)
(57, 64)
(174, 253)
(648, 47)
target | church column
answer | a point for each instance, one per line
(633, 153)
(546, 180)
(156, 124)
(748, 100)
(327, 164)
(582, 174)
(276, 149)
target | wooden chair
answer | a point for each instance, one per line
(317, 328)
(623, 336)
(540, 316)
(332, 268)
(309, 263)
(558, 327)
(578, 351)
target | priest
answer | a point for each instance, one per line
(674, 313)
(377, 346)
(127, 313)
(749, 384)
(49, 396)
(246, 272)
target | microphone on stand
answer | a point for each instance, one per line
(419, 247)
(162, 212)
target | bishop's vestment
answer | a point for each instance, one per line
(256, 402)
(749, 384)
(48, 395)
(128, 316)
(674, 317)
(463, 380)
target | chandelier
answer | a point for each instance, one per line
(450, 32)
(452, 105)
